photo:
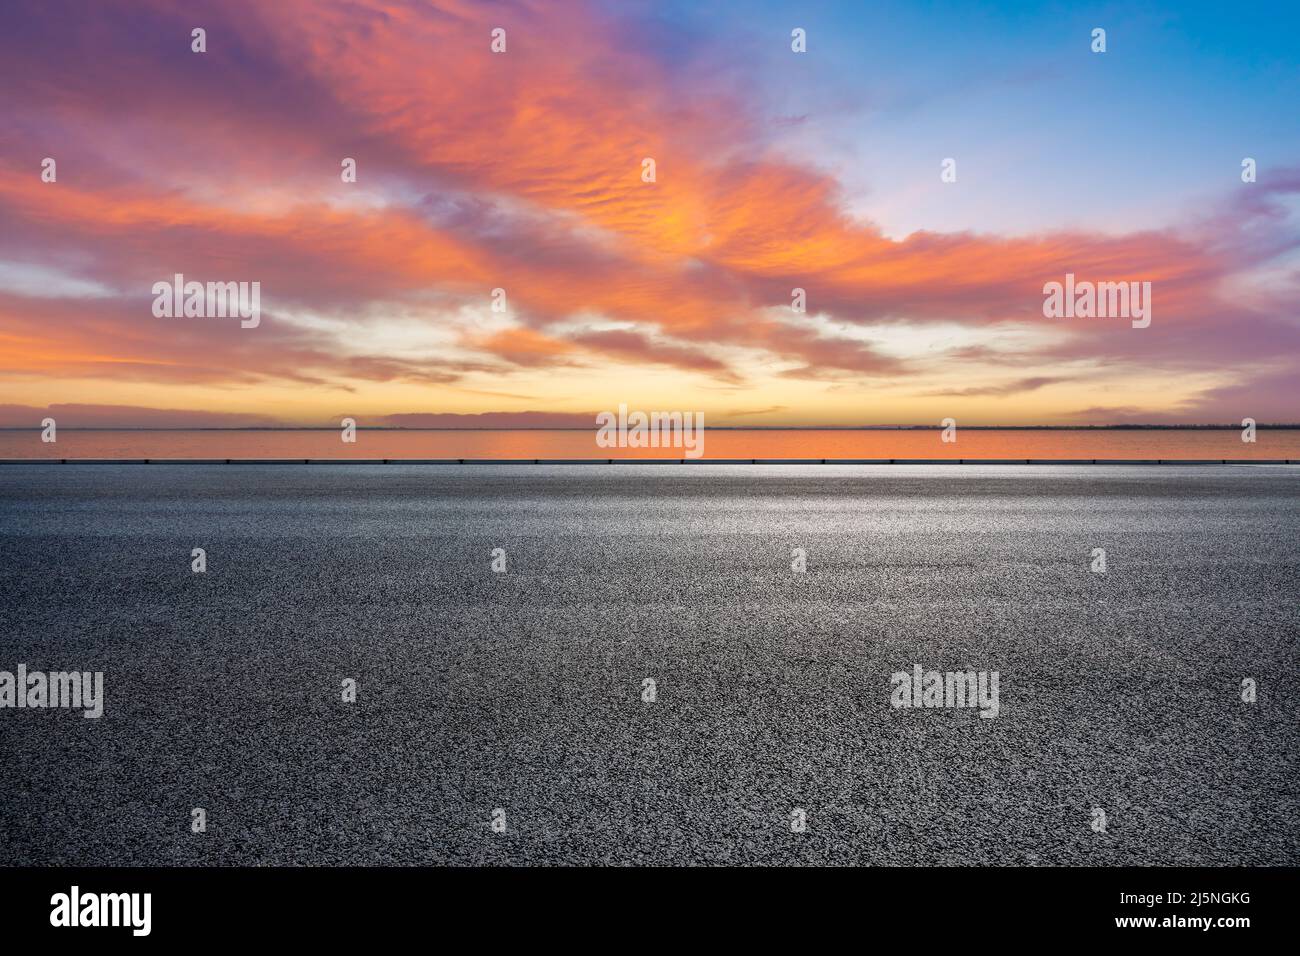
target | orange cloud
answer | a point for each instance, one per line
(520, 171)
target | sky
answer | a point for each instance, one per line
(524, 171)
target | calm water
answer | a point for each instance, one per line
(1156, 443)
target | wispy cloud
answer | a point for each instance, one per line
(1006, 388)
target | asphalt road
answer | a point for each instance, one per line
(1119, 691)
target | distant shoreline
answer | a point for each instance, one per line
(719, 428)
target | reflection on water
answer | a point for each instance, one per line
(994, 443)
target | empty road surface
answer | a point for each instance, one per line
(523, 695)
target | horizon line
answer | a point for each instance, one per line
(593, 428)
(648, 461)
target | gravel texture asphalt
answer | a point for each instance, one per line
(523, 690)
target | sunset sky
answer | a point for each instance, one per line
(522, 171)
